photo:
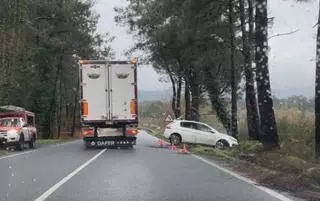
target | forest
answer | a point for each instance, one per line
(41, 42)
(205, 48)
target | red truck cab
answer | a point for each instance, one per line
(17, 127)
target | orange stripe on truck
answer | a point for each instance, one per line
(84, 108)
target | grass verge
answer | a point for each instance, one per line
(3, 152)
(275, 169)
(280, 169)
(154, 131)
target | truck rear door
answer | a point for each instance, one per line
(94, 91)
(123, 91)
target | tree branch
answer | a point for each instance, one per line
(283, 34)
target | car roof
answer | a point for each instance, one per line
(187, 121)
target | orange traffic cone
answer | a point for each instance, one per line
(172, 147)
(161, 143)
(184, 150)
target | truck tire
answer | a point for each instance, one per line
(87, 145)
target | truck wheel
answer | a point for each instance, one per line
(32, 143)
(20, 145)
(87, 145)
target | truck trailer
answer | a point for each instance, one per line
(108, 92)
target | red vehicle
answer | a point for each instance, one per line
(17, 127)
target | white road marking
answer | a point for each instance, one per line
(51, 190)
(27, 152)
(19, 154)
(234, 174)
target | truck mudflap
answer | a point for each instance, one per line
(114, 141)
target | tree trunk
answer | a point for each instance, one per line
(174, 94)
(221, 111)
(187, 99)
(317, 94)
(59, 120)
(53, 98)
(269, 131)
(178, 106)
(251, 100)
(76, 103)
(234, 87)
(195, 103)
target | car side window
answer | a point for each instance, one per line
(203, 128)
(189, 125)
(186, 124)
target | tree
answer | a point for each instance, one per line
(37, 46)
(189, 41)
(234, 86)
(247, 44)
(317, 93)
(269, 132)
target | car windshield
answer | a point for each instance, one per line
(10, 122)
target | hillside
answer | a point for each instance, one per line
(308, 92)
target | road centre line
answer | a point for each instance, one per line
(51, 190)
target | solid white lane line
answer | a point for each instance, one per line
(51, 190)
(19, 154)
(234, 174)
(27, 152)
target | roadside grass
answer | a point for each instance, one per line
(3, 152)
(276, 169)
(293, 167)
(153, 130)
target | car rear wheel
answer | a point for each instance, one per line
(175, 139)
(20, 145)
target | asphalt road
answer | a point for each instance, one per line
(69, 172)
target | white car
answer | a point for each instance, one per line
(183, 131)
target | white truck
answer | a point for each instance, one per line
(108, 92)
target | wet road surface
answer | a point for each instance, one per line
(69, 172)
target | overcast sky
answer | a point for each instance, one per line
(291, 57)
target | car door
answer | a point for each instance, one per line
(204, 134)
(187, 131)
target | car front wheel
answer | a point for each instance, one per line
(222, 144)
(175, 139)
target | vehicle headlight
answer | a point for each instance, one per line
(233, 139)
(12, 132)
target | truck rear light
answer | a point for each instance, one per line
(84, 108)
(83, 62)
(87, 132)
(133, 107)
(132, 132)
